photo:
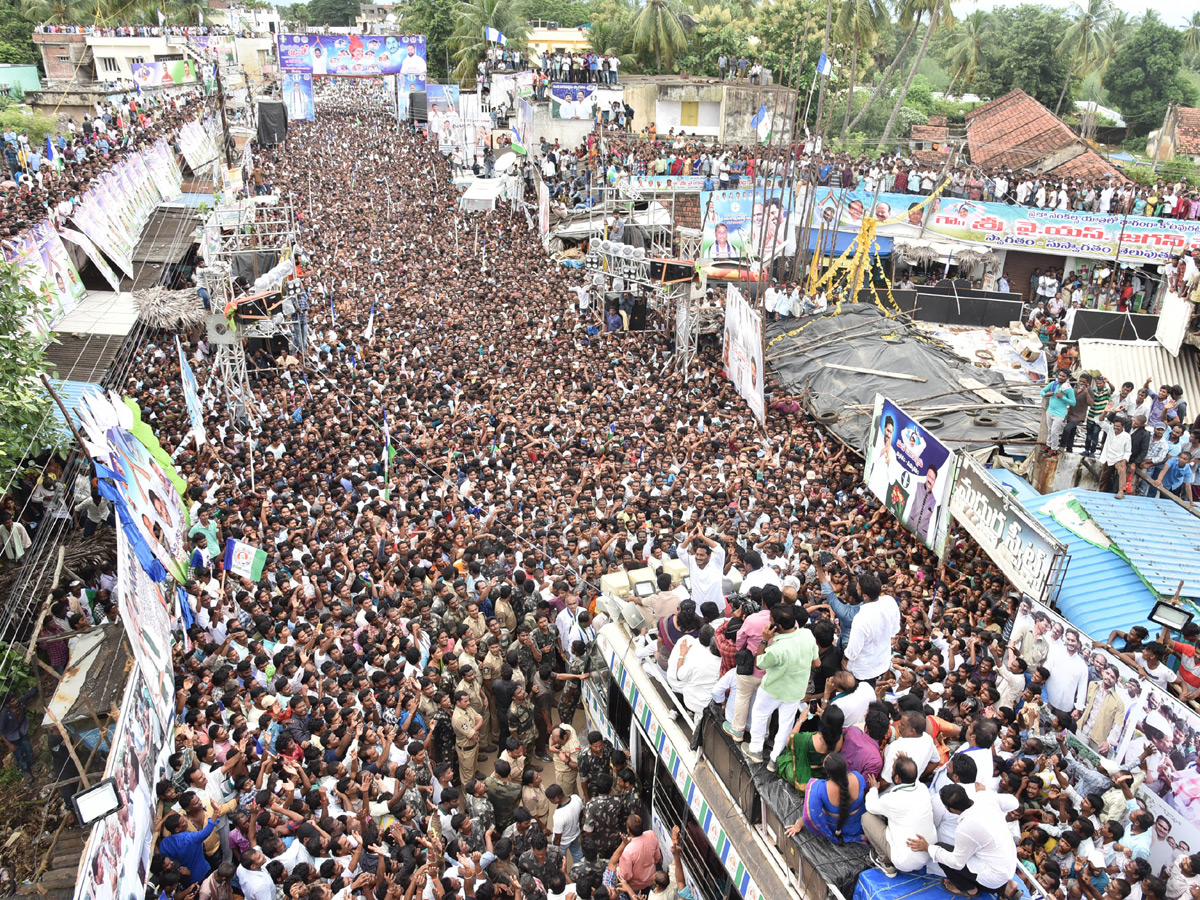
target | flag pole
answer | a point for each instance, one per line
(811, 88)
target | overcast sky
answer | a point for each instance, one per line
(1172, 11)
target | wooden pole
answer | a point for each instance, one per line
(37, 626)
(70, 748)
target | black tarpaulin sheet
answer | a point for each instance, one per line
(272, 123)
(838, 864)
(863, 337)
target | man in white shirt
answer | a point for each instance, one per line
(1066, 688)
(256, 883)
(913, 742)
(1114, 457)
(852, 696)
(869, 651)
(565, 823)
(705, 561)
(984, 855)
(757, 574)
(896, 814)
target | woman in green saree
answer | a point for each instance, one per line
(804, 756)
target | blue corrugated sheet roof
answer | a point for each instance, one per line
(1160, 539)
(1100, 591)
(70, 392)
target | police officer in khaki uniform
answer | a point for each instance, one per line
(474, 688)
(489, 668)
(467, 724)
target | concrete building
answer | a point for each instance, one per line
(726, 112)
(372, 17)
(544, 38)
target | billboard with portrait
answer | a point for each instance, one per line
(163, 74)
(750, 223)
(911, 472)
(572, 101)
(116, 859)
(356, 56)
(136, 473)
(1123, 721)
(742, 354)
(45, 268)
(298, 96)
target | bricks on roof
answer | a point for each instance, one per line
(1017, 132)
(1187, 131)
(936, 133)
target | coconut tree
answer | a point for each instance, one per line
(473, 16)
(887, 73)
(55, 12)
(939, 14)
(858, 25)
(657, 30)
(613, 37)
(1191, 35)
(964, 57)
(1086, 41)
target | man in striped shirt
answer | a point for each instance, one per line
(1101, 394)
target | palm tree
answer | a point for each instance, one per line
(858, 24)
(658, 30)
(56, 12)
(1117, 30)
(507, 16)
(825, 51)
(1191, 35)
(887, 74)
(914, 10)
(613, 38)
(1086, 41)
(965, 55)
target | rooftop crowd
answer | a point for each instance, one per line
(40, 188)
(393, 709)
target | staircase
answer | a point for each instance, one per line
(56, 876)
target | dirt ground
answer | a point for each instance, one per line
(30, 813)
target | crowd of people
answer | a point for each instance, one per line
(43, 186)
(443, 476)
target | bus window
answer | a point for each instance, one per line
(620, 713)
(704, 868)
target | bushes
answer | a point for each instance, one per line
(37, 125)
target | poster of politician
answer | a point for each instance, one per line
(743, 351)
(356, 55)
(298, 96)
(911, 472)
(747, 224)
(572, 101)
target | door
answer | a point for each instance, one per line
(689, 113)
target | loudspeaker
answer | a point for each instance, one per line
(418, 106)
(219, 330)
(671, 271)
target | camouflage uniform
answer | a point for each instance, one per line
(542, 871)
(504, 796)
(604, 819)
(443, 737)
(568, 700)
(481, 813)
(595, 867)
(521, 842)
(591, 764)
(520, 721)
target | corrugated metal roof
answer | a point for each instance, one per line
(1160, 539)
(1135, 361)
(83, 357)
(1100, 591)
(69, 392)
(1022, 490)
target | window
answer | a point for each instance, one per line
(64, 59)
(699, 859)
(110, 64)
(135, 61)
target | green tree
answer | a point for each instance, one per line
(56, 12)
(718, 29)
(471, 17)
(24, 403)
(790, 31)
(16, 45)
(1085, 43)
(435, 20)
(613, 36)
(657, 31)
(1021, 52)
(966, 53)
(333, 12)
(1146, 75)
(567, 13)
(1191, 36)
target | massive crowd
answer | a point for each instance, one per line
(394, 708)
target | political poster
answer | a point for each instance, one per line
(147, 612)
(83, 242)
(1124, 721)
(742, 355)
(191, 396)
(524, 82)
(846, 209)
(685, 183)
(163, 74)
(572, 101)
(356, 55)
(45, 268)
(751, 223)
(136, 474)
(1009, 534)
(298, 96)
(117, 856)
(911, 472)
(441, 99)
(1064, 232)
